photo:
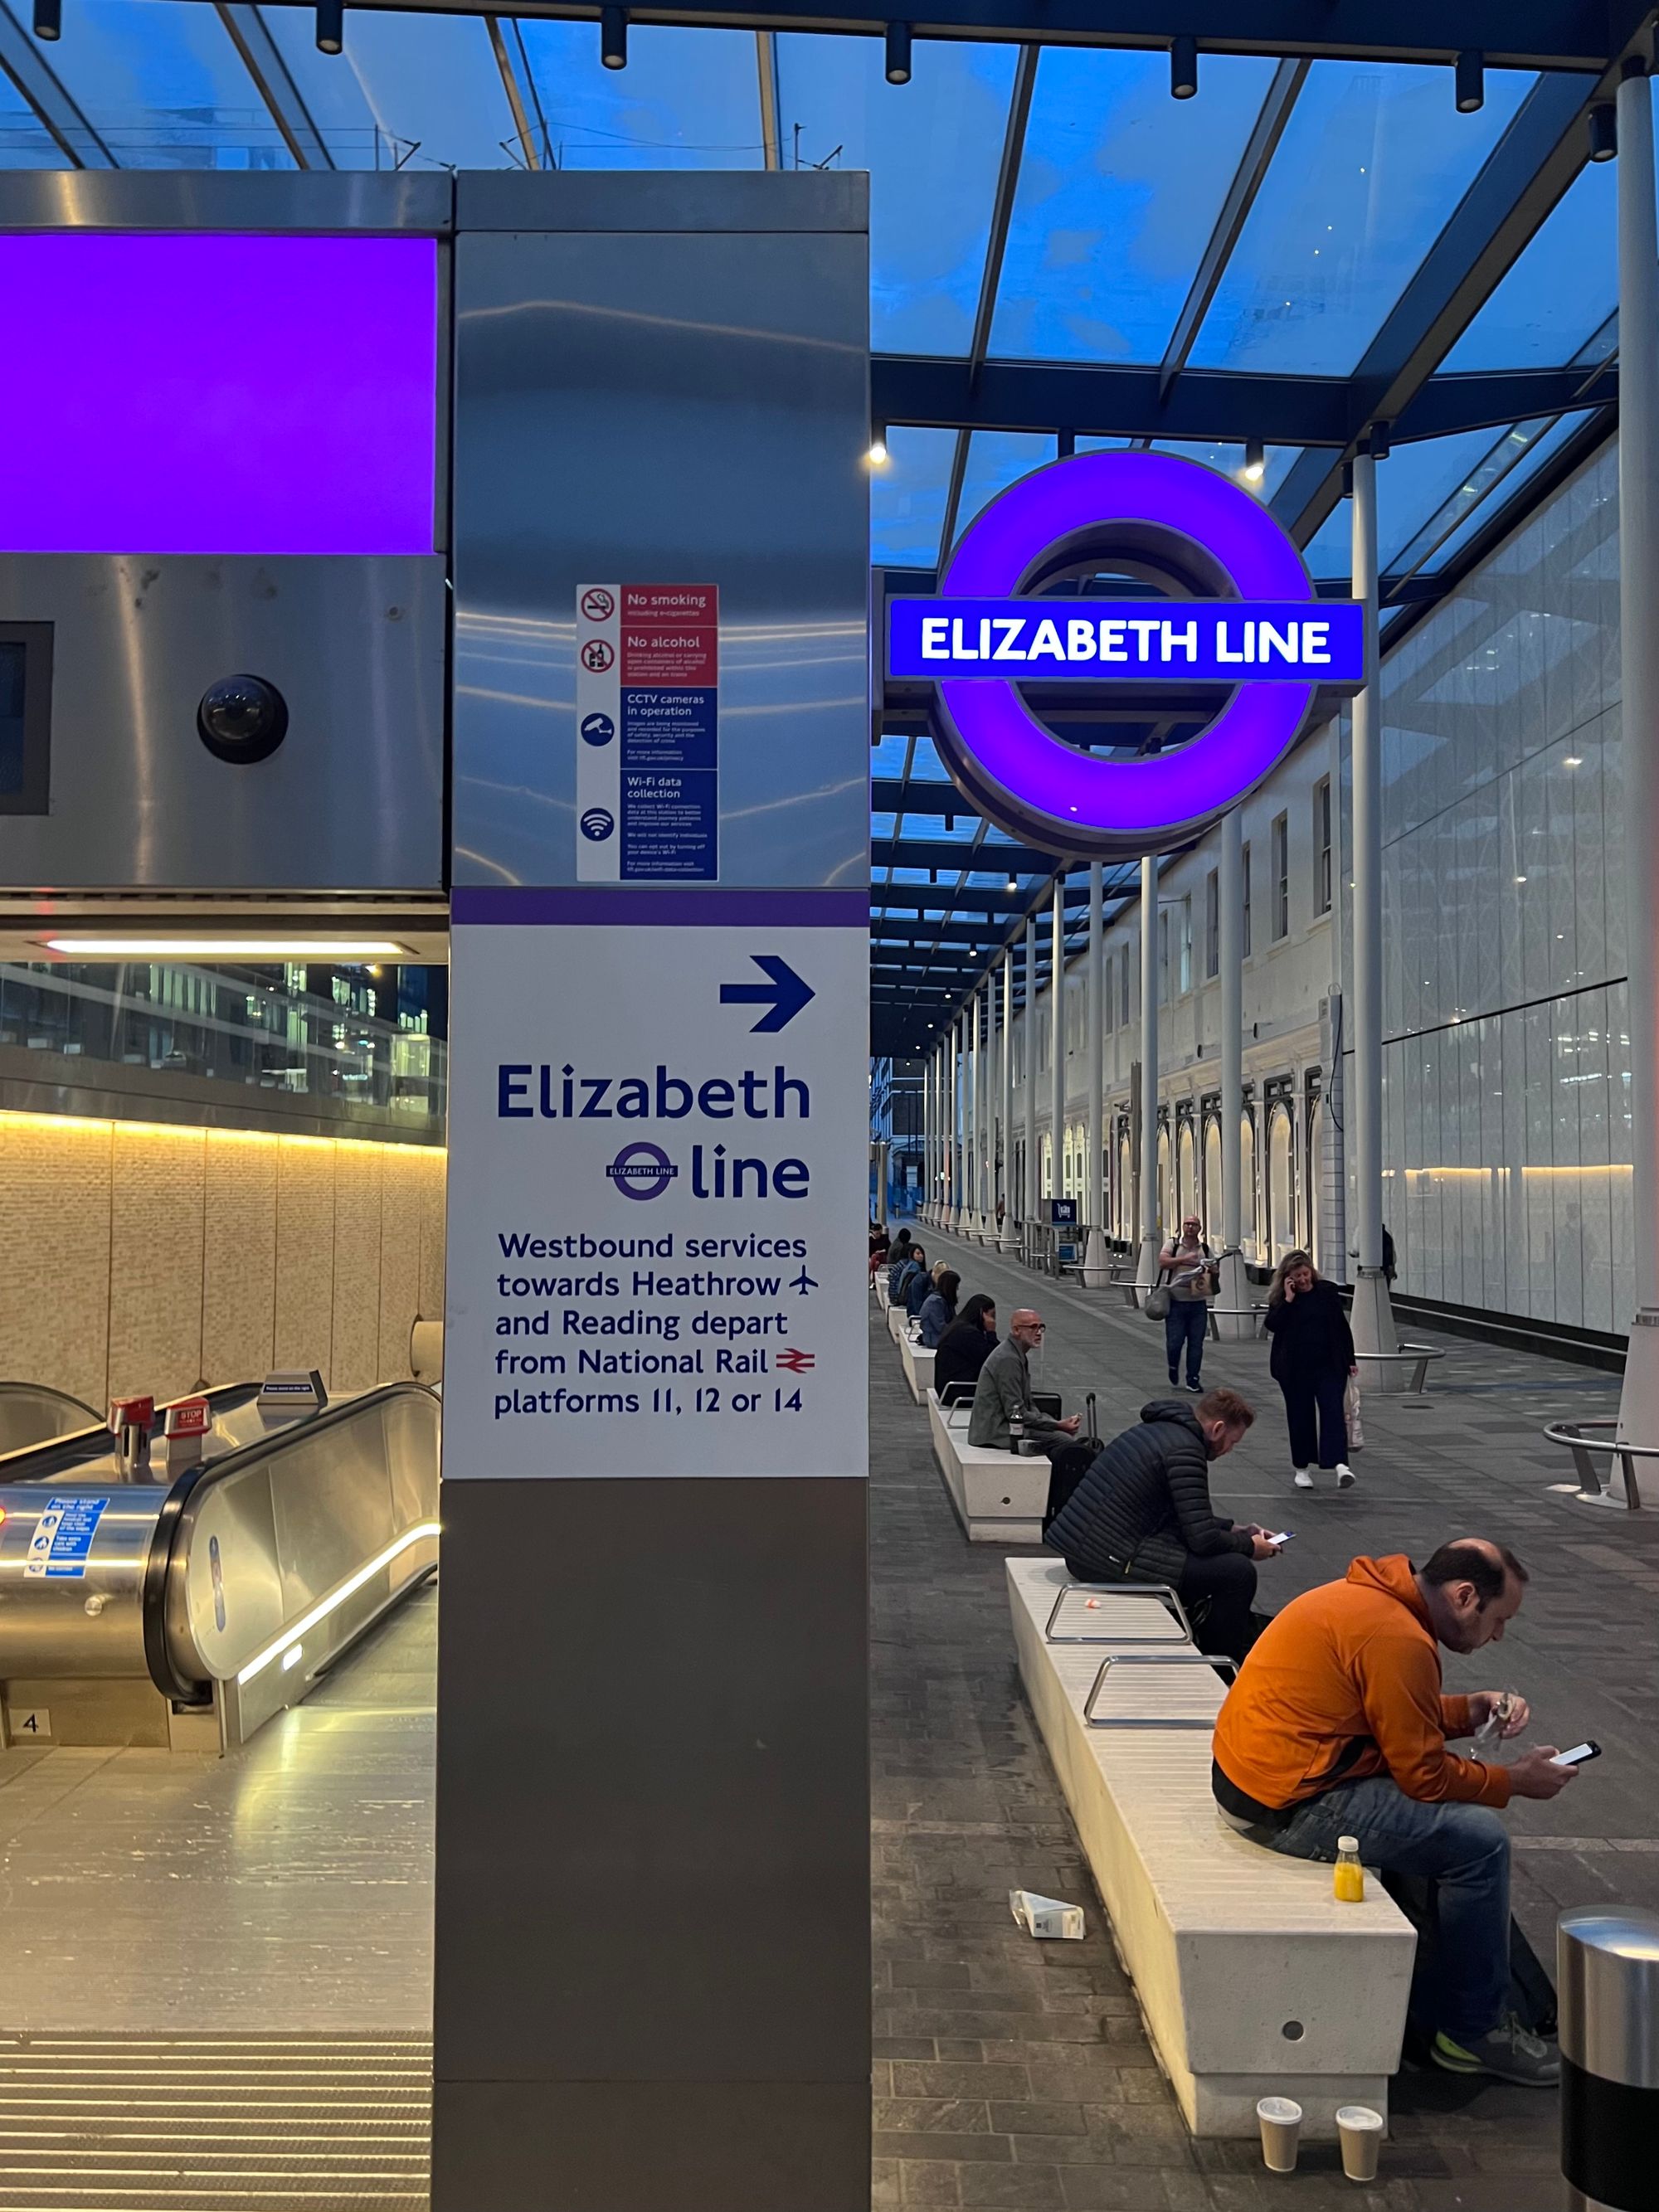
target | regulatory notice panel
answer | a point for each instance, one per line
(658, 1199)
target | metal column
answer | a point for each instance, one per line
(1094, 1187)
(1235, 1282)
(1151, 1242)
(1009, 1239)
(1372, 1314)
(1032, 1182)
(1057, 1037)
(969, 1221)
(1638, 579)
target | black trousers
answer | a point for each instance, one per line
(1313, 1408)
(1227, 1581)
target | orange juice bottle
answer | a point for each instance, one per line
(1350, 1875)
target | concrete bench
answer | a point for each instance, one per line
(878, 1285)
(918, 1362)
(1253, 1981)
(898, 1321)
(1000, 1497)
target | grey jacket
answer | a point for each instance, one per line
(1003, 1396)
(1144, 1509)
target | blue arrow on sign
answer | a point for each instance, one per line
(783, 995)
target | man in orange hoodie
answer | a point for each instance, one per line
(1336, 1727)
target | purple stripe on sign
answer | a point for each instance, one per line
(611, 905)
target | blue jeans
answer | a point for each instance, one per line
(1185, 1324)
(1463, 1988)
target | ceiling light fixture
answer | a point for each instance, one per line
(877, 454)
(613, 38)
(1603, 131)
(227, 948)
(898, 53)
(331, 27)
(1470, 74)
(1256, 460)
(49, 19)
(1183, 67)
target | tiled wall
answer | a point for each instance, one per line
(144, 1257)
(1506, 1115)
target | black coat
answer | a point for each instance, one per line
(1144, 1508)
(962, 1351)
(1310, 1335)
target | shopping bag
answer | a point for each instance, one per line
(1157, 1302)
(1351, 1414)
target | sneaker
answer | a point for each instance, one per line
(1197, 1390)
(1509, 2053)
(1345, 1477)
(1175, 1381)
(1303, 1480)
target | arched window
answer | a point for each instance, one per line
(1281, 1187)
(1187, 1198)
(1212, 1208)
(1250, 1213)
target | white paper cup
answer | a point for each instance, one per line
(1361, 2133)
(1281, 2132)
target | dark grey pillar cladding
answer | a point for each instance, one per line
(653, 1983)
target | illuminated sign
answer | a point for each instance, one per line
(1241, 613)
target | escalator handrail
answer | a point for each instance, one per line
(58, 1397)
(204, 1476)
(97, 1425)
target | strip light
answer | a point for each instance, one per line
(308, 1622)
(228, 948)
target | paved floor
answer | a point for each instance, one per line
(1016, 2073)
(284, 1894)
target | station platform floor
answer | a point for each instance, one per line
(216, 1990)
(1014, 2074)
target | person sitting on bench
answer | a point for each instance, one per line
(967, 1344)
(1142, 1513)
(1002, 1397)
(1337, 1726)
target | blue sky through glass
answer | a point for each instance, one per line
(907, 498)
(933, 148)
(162, 84)
(1564, 286)
(24, 142)
(1372, 163)
(1118, 193)
(426, 82)
(1543, 446)
(688, 99)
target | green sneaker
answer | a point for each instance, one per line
(1509, 2053)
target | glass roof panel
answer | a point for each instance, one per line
(907, 498)
(1543, 442)
(997, 459)
(162, 85)
(933, 148)
(1415, 480)
(688, 99)
(1372, 160)
(25, 142)
(1119, 190)
(1229, 460)
(420, 88)
(1564, 286)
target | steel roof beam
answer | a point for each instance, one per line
(262, 57)
(1544, 148)
(1269, 129)
(1528, 34)
(956, 857)
(24, 61)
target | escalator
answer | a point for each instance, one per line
(30, 1413)
(185, 1606)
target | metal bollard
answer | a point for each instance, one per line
(1607, 1968)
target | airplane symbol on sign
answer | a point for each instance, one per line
(804, 1283)
(798, 1361)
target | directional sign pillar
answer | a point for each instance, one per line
(653, 1923)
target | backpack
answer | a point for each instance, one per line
(1071, 1463)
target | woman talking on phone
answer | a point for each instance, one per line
(1312, 1360)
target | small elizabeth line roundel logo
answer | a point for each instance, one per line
(642, 1170)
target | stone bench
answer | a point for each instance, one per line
(917, 1360)
(1253, 1981)
(1000, 1497)
(898, 1321)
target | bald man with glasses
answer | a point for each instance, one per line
(1002, 1396)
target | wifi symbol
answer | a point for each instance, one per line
(598, 824)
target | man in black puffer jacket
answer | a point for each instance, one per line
(1142, 1513)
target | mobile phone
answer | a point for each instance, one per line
(1578, 1756)
(1284, 1536)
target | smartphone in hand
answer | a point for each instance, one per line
(1579, 1755)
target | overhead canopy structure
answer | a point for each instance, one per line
(1345, 230)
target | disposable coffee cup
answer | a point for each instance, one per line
(1281, 2132)
(1361, 2132)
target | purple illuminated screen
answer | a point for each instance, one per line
(217, 394)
